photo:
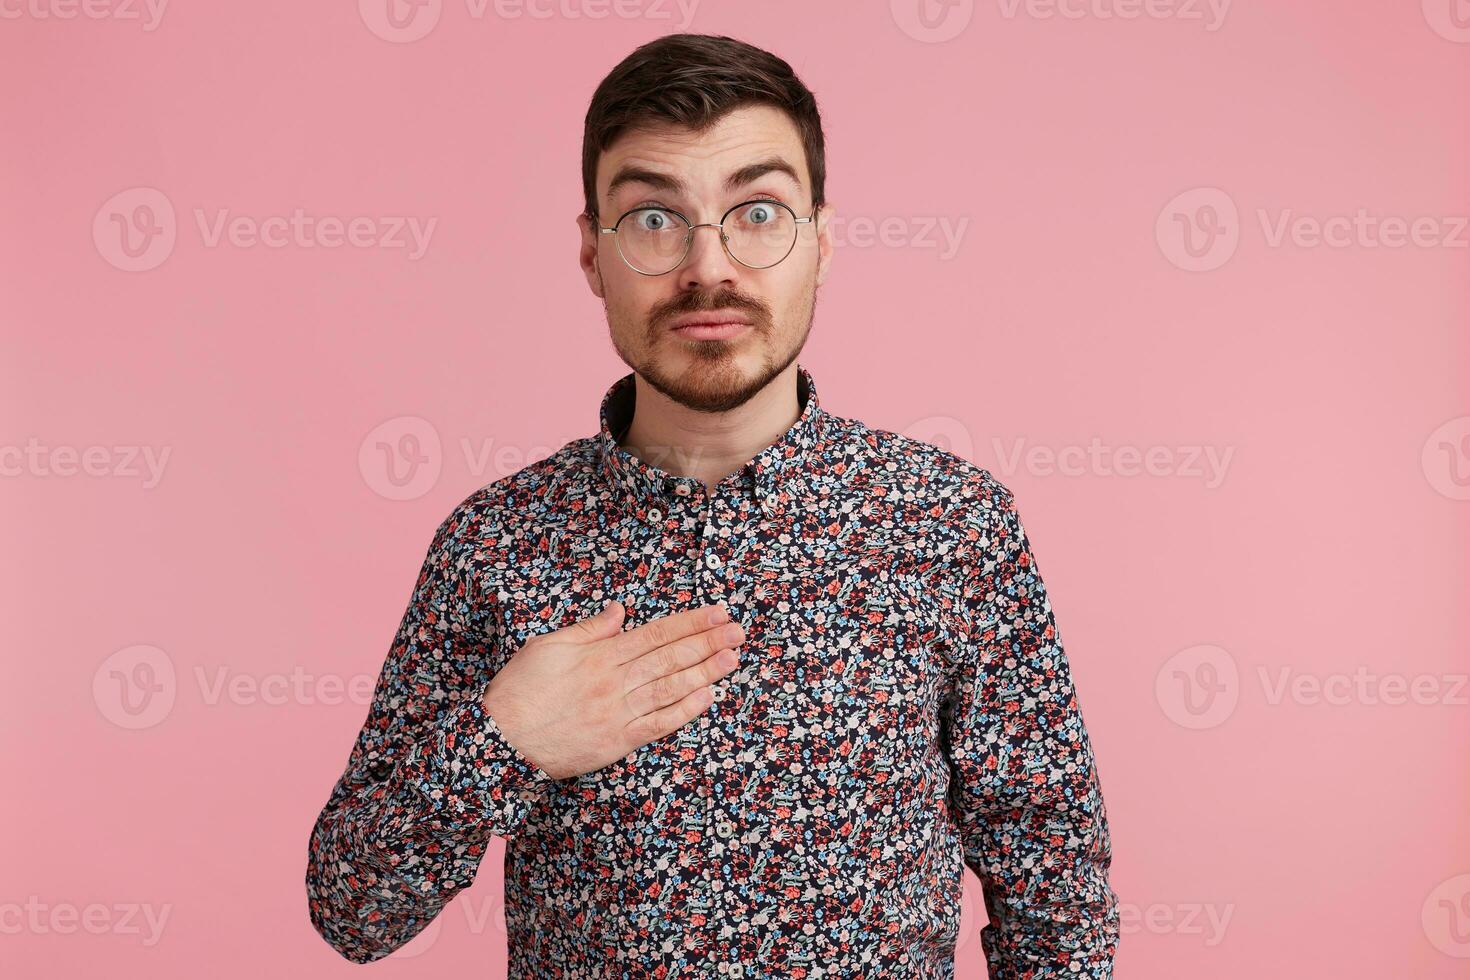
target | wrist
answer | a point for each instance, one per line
(503, 716)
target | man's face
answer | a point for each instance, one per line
(705, 176)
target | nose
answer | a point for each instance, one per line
(707, 264)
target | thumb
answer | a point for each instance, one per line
(607, 622)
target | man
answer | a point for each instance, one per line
(744, 684)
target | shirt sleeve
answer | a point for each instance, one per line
(1024, 788)
(430, 778)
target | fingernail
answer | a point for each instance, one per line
(719, 615)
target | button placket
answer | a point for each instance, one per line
(715, 742)
(728, 774)
(701, 513)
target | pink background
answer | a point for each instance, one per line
(1255, 831)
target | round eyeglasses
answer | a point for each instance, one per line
(656, 240)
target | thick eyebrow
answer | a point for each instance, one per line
(675, 185)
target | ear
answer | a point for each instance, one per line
(825, 243)
(588, 254)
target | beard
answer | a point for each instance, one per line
(716, 382)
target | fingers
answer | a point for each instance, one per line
(606, 623)
(633, 643)
(670, 688)
(657, 724)
(680, 654)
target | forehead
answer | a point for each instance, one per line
(744, 141)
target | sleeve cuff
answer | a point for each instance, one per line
(466, 775)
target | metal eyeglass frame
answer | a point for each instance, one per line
(689, 234)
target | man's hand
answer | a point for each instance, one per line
(586, 695)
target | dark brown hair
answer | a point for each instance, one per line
(694, 80)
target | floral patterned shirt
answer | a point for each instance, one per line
(902, 709)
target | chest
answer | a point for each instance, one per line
(829, 598)
(823, 736)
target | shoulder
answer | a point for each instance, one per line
(959, 499)
(514, 511)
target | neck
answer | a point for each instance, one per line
(709, 446)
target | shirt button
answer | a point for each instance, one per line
(655, 515)
(713, 561)
(724, 828)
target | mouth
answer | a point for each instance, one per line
(717, 325)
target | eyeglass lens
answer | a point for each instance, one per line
(655, 241)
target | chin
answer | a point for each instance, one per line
(705, 385)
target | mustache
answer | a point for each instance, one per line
(702, 302)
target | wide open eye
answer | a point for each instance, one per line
(758, 214)
(655, 220)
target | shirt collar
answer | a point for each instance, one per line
(782, 470)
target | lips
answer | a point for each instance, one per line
(711, 331)
(719, 325)
(717, 318)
